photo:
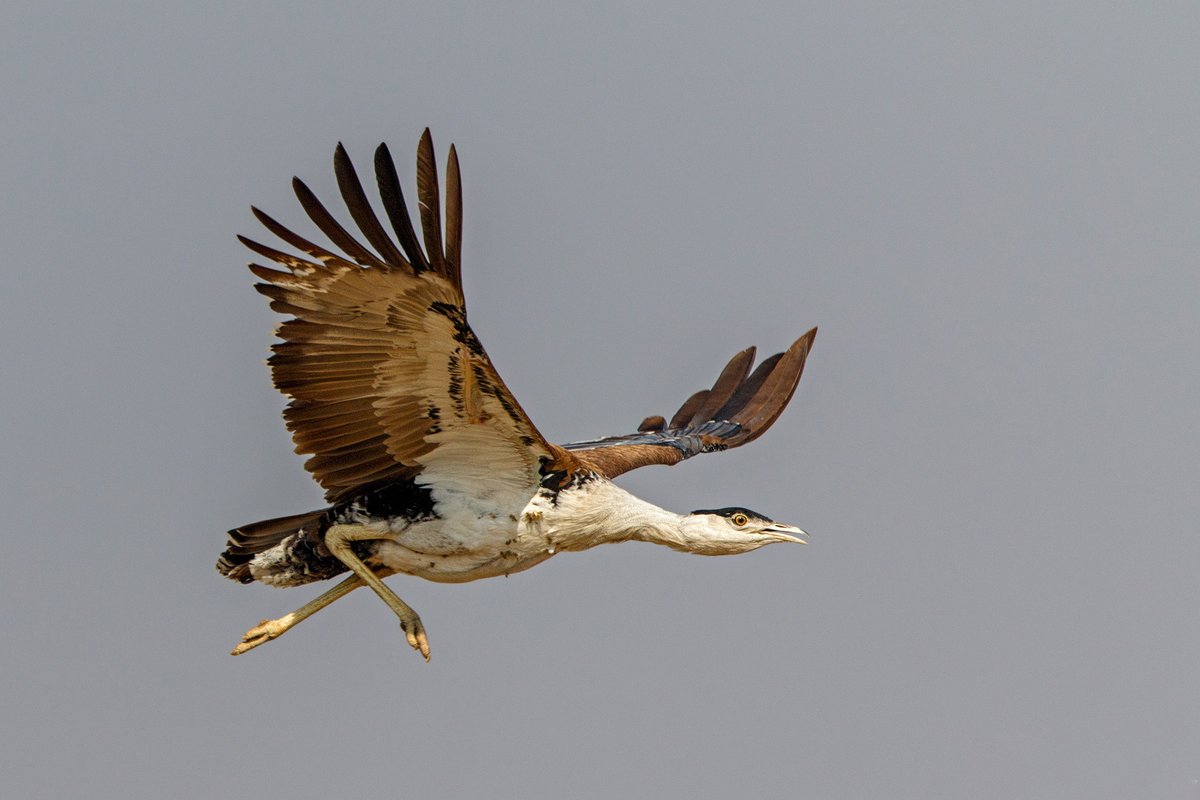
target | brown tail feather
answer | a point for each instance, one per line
(248, 540)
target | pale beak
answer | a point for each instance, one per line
(785, 533)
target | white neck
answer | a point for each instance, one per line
(600, 512)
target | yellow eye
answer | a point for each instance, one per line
(739, 520)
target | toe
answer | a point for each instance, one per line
(414, 632)
(261, 633)
(248, 643)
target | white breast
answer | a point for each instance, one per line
(466, 544)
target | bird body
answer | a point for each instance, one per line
(430, 465)
(452, 539)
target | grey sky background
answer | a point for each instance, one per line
(989, 209)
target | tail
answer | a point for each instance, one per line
(298, 539)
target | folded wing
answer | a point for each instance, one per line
(739, 408)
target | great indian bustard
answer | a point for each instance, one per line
(430, 466)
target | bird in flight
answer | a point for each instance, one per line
(430, 466)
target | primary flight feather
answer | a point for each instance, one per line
(430, 466)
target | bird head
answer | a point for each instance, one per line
(726, 531)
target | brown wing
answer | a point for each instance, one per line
(738, 408)
(386, 378)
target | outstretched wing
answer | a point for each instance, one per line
(386, 378)
(738, 408)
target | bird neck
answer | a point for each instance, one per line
(600, 512)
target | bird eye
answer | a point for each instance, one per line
(739, 520)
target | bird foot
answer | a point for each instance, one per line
(262, 633)
(414, 631)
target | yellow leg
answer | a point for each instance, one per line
(270, 629)
(338, 539)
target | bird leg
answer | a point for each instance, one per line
(270, 629)
(338, 539)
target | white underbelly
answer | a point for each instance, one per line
(440, 552)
